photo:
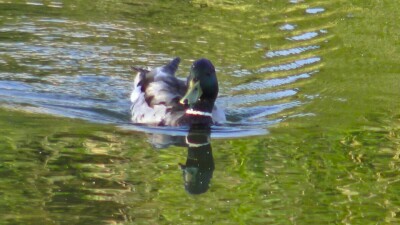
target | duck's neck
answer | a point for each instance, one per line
(204, 105)
(201, 113)
(201, 108)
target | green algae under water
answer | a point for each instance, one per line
(321, 77)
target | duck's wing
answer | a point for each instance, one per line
(156, 94)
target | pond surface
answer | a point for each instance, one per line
(311, 91)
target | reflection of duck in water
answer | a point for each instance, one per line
(159, 98)
(199, 167)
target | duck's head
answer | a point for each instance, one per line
(202, 86)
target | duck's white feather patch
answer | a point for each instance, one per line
(143, 113)
(135, 95)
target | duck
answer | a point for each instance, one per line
(159, 98)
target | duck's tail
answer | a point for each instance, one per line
(171, 67)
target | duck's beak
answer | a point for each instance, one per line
(193, 94)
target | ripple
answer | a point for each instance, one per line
(296, 1)
(263, 84)
(287, 26)
(56, 4)
(35, 3)
(266, 111)
(241, 73)
(235, 101)
(315, 10)
(290, 66)
(291, 51)
(228, 131)
(74, 97)
(14, 85)
(255, 112)
(304, 36)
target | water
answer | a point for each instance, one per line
(310, 89)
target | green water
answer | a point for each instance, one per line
(320, 76)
